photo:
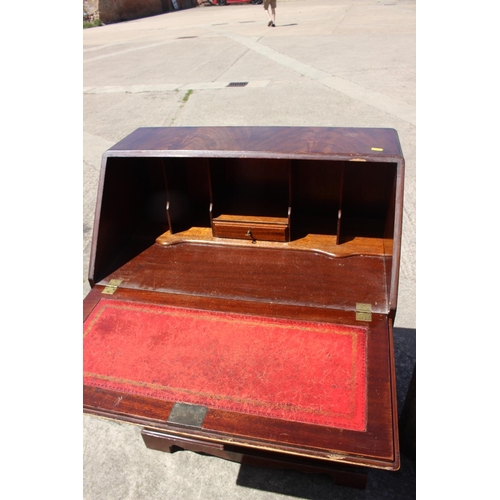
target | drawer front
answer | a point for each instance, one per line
(250, 231)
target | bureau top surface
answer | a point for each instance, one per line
(286, 142)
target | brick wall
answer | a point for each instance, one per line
(112, 11)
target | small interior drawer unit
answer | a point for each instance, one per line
(251, 228)
(244, 288)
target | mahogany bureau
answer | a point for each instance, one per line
(244, 288)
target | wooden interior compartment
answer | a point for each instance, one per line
(250, 198)
(188, 193)
(316, 194)
(139, 192)
(130, 213)
(339, 207)
(367, 207)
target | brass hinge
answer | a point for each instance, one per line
(111, 287)
(363, 312)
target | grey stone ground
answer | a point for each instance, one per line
(326, 63)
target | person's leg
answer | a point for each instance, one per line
(266, 8)
(273, 11)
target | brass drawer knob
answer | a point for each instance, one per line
(250, 235)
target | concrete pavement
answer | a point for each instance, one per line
(326, 63)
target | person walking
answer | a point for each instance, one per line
(270, 15)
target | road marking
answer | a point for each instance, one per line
(377, 100)
(167, 87)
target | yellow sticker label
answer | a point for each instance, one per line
(377, 149)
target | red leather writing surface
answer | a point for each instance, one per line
(294, 370)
